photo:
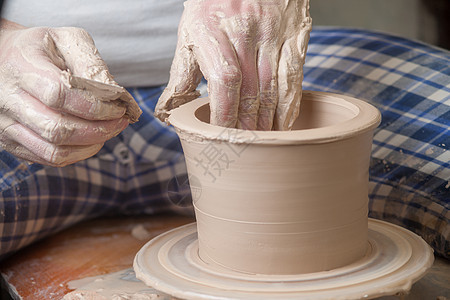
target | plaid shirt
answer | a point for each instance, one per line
(142, 170)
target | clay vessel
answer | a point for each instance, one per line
(271, 202)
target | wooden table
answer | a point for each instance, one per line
(43, 270)
(108, 245)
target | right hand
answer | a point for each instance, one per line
(42, 119)
(251, 52)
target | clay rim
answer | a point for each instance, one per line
(189, 127)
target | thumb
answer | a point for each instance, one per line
(82, 58)
(80, 55)
(185, 75)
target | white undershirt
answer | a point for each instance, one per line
(136, 38)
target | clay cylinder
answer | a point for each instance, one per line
(271, 202)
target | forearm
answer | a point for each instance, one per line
(9, 25)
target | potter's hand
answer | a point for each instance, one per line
(251, 52)
(43, 119)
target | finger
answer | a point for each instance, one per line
(290, 75)
(61, 129)
(306, 21)
(82, 58)
(79, 53)
(51, 91)
(249, 91)
(40, 151)
(20, 151)
(305, 29)
(41, 77)
(303, 38)
(185, 76)
(290, 69)
(268, 94)
(220, 66)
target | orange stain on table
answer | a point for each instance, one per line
(91, 248)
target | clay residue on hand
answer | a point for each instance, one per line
(84, 61)
(184, 91)
(251, 52)
(106, 90)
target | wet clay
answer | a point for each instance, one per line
(394, 260)
(121, 285)
(287, 202)
(106, 90)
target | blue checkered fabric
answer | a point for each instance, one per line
(142, 170)
(409, 82)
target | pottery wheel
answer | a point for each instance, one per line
(395, 259)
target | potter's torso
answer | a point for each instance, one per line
(136, 38)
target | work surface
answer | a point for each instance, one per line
(108, 246)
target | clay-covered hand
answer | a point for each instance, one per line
(250, 51)
(42, 118)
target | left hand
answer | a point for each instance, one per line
(251, 52)
(43, 119)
